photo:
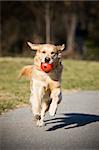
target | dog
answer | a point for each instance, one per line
(45, 86)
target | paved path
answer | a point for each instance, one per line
(75, 127)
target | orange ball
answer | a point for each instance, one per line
(46, 67)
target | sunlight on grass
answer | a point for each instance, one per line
(80, 74)
(15, 92)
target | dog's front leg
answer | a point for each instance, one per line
(40, 122)
(56, 97)
(38, 89)
(35, 103)
(44, 107)
(37, 92)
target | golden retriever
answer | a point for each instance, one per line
(45, 86)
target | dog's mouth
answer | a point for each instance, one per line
(47, 67)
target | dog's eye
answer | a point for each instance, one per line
(43, 52)
(52, 53)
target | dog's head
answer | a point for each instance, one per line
(47, 53)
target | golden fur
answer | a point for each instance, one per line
(45, 87)
(27, 71)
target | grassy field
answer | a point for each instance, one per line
(14, 92)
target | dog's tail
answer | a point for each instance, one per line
(26, 71)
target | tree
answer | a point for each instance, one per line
(71, 26)
(47, 22)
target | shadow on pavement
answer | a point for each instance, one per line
(71, 120)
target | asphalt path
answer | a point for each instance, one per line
(75, 126)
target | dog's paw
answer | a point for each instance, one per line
(36, 117)
(40, 123)
(52, 111)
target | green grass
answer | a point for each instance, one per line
(14, 92)
(80, 75)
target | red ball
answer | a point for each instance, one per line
(46, 67)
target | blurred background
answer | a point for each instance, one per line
(75, 23)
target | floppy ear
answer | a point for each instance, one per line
(34, 46)
(61, 47)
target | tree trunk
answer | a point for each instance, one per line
(0, 43)
(71, 34)
(47, 22)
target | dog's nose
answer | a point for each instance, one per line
(47, 59)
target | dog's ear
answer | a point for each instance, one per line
(61, 47)
(34, 46)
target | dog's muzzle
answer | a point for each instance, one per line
(47, 59)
